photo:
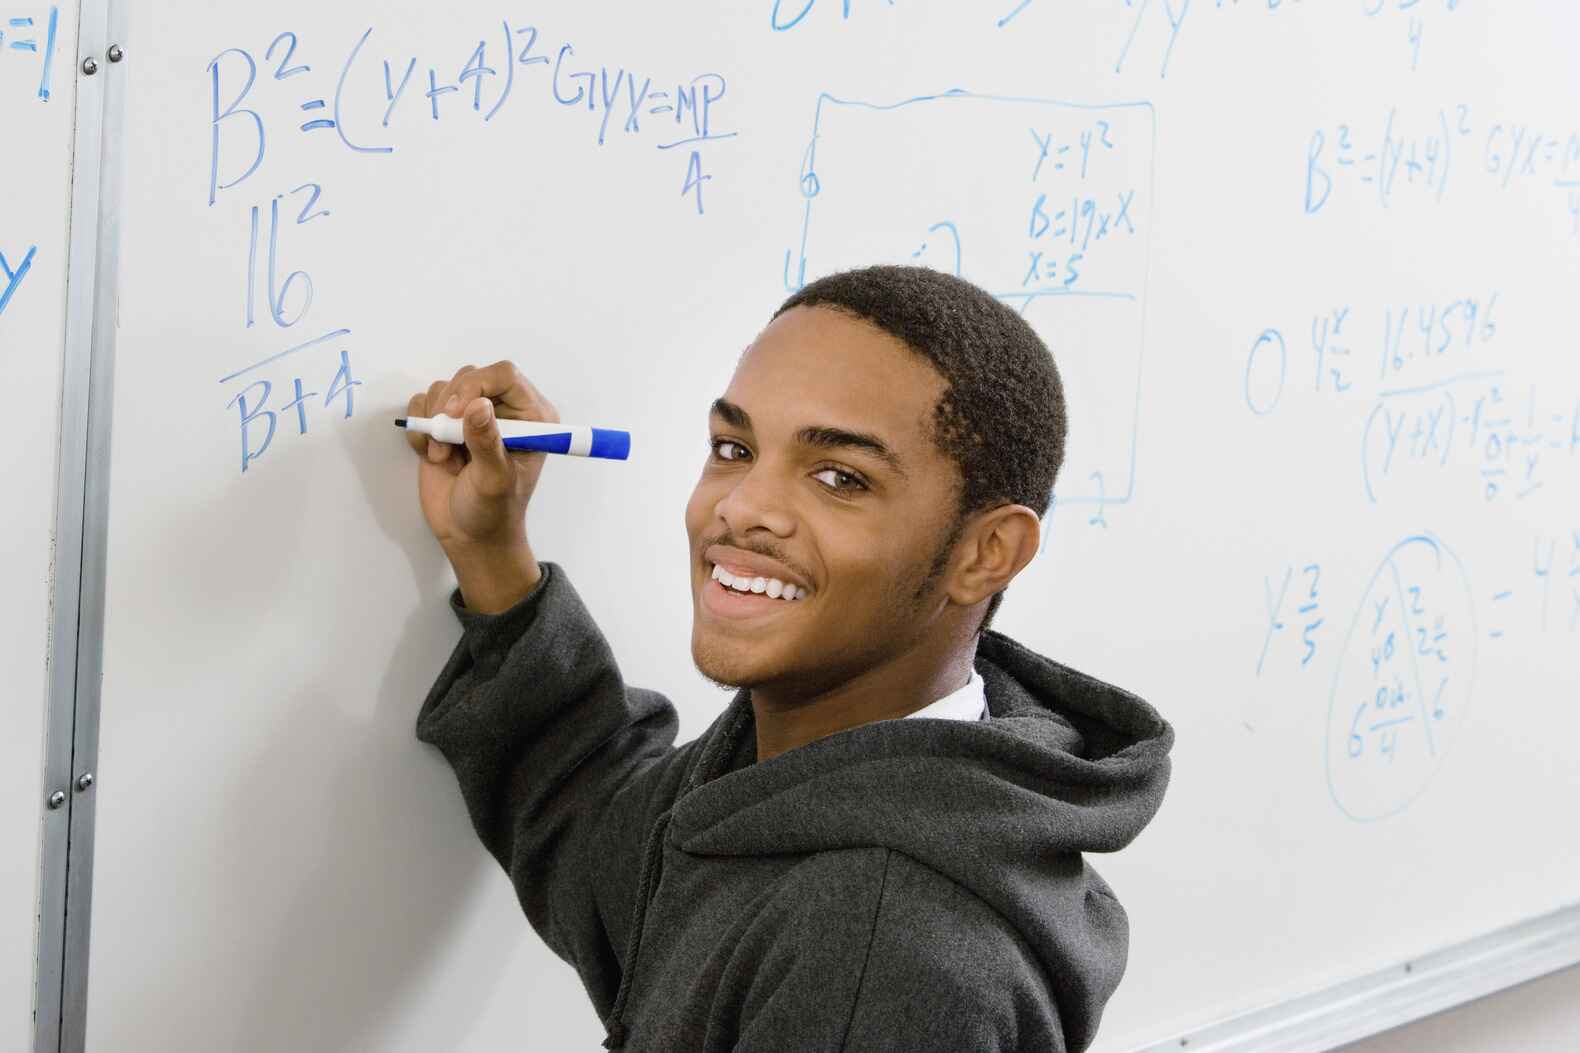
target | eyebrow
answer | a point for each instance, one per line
(823, 437)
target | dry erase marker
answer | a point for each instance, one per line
(578, 440)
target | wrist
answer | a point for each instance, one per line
(494, 579)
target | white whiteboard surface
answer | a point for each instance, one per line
(1263, 194)
(36, 95)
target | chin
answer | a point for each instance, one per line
(723, 664)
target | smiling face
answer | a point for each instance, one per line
(821, 474)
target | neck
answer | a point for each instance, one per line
(891, 690)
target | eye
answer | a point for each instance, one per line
(720, 445)
(843, 480)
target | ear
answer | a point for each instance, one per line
(994, 547)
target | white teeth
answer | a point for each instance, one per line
(771, 587)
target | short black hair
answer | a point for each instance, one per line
(1001, 418)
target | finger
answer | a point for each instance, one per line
(544, 410)
(439, 394)
(437, 451)
(494, 474)
(416, 406)
(447, 389)
(431, 404)
(513, 393)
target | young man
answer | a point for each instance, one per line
(812, 873)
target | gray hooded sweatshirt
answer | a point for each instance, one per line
(906, 885)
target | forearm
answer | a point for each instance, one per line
(493, 579)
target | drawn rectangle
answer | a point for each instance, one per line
(1046, 204)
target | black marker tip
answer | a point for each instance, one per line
(400, 422)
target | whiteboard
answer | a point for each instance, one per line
(1307, 271)
(36, 95)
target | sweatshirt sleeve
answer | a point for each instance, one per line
(562, 766)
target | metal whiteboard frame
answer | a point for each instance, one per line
(1388, 998)
(1322, 1020)
(81, 507)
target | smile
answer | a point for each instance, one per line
(772, 588)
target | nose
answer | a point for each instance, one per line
(758, 499)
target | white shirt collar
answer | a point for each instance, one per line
(969, 702)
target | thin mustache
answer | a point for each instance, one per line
(767, 553)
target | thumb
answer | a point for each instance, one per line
(489, 460)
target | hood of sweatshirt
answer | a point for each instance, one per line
(1065, 764)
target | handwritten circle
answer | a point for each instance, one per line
(1404, 681)
(1263, 405)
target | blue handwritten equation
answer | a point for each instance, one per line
(1402, 340)
(1398, 156)
(1404, 680)
(11, 275)
(1436, 394)
(279, 300)
(1294, 606)
(1510, 435)
(363, 101)
(1148, 30)
(1155, 25)
(787, 14)
(1046, 204)
(1071, 220)
(1547, 597)
(1555, 564)
(1062, 232)
(370, 90)
(783, 15)
(34, 36)
(1413, 13)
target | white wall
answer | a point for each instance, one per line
(1542, 1016)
